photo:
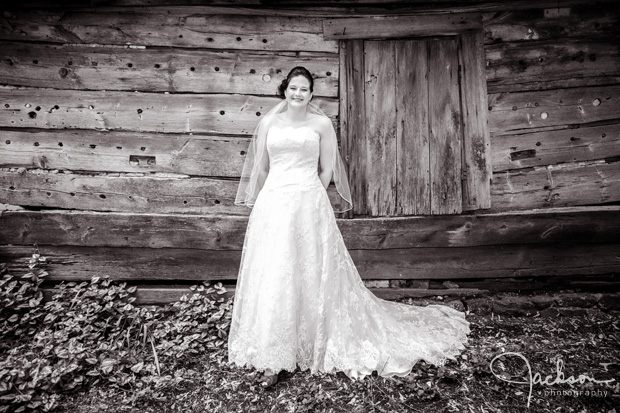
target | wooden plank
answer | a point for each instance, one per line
(161, 69)
(532, 24)
(143, 112)
(137, 264)
(150, 295)
(353, 125)
(112, 192)
(597, 282)
(489, 261)
(412, 132)
(187, 27)
(541, 84)
(345, 141)
(124, 264)
(94, 229)
(400, 293)
(556, 186)
(476, 140)
(317, 8)
(513, 111)
(380, 126)
(123, 192)
(555, 147)
(147, 193)
(84, 150)
(377, 27)
(517, 63)
(165, 295)
(445, 127)
(131, 230)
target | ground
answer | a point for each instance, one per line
(87, 348)
(584, 345)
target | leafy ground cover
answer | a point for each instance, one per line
(89, 349)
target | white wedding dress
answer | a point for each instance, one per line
(300, 300)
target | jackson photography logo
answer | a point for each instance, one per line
(550, 380)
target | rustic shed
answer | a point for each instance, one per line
(482, 138)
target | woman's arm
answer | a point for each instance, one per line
(263, 170)
(326, 155)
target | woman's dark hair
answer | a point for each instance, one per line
(296, 71)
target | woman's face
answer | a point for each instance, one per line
(298, 91)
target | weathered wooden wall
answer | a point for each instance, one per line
(140, 118)
(142, 92)
(553, 77)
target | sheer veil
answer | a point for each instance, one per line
(248, 189)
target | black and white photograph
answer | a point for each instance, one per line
(310, 206)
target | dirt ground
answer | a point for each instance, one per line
(571, 362)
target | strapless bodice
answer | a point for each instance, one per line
(293, 156)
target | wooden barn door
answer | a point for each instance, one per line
(404, 126)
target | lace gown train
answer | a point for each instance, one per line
(300, 300)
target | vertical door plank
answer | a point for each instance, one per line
(476, 141)
(380, 77)
(344, 142)
(412, 132)
(352, 127)
(445, 126)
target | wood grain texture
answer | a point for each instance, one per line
(556, 186)
(444, 110)
(132, 230)
(596, 282)
(525, 110)
(515, 65)
(149, 295)
(119, 192)
(155, 295)
(136, 264)
(380, 127)
(377, 27)
(146, 193)
(487, 262)
(412, 131)
(81, 263)
(535, 84)
(142, 112)
(551, 147)
(187, 27)
(87, 150)
(476, 141)
(161, 69)
(317, 8)
(532, 24)
(353, 125)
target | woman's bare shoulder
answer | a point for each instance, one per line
(320, 122)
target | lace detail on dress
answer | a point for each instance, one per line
(300, 300)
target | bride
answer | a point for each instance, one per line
(299, 299)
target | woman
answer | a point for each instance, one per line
(299, 299)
